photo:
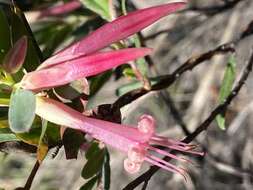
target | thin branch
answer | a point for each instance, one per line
(219, 109)
(31, 176)
(168, 80)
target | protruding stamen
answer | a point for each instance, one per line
(164, 153)
(183, 148)
(171, 141)
(161, 163)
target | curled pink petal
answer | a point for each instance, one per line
(61, 9)
(79, 68)
(146, 124)
(114, 31)
(131, 167)
(136, 154)
(15, 57)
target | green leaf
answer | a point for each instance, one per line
(92, 151)
(6, 135)
(101, 7)
(8, 138)
(32, 137)
(52, 135)
(22, 110)
(95, 157)
(90, 184)
(226, 87)
(72, 140)
(128, 72)
(106, 174)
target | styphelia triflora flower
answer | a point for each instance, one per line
(138, 143)
(80, 60)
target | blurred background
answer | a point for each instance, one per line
(204, 25)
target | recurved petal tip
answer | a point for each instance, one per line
(146, 124)
(131, 167)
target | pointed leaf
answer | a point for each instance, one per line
(226, 87)
(21, 111)
(95, 157)
(82, 67)
(114, 31)
(106, 171)
(72, 140)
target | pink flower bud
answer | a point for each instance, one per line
(15, 57)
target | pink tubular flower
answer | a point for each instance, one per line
(78, 68)
(139, 143)
(114, 31)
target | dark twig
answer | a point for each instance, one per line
(31, 176)
(219, 109)
(167, 80)
(191, 63)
